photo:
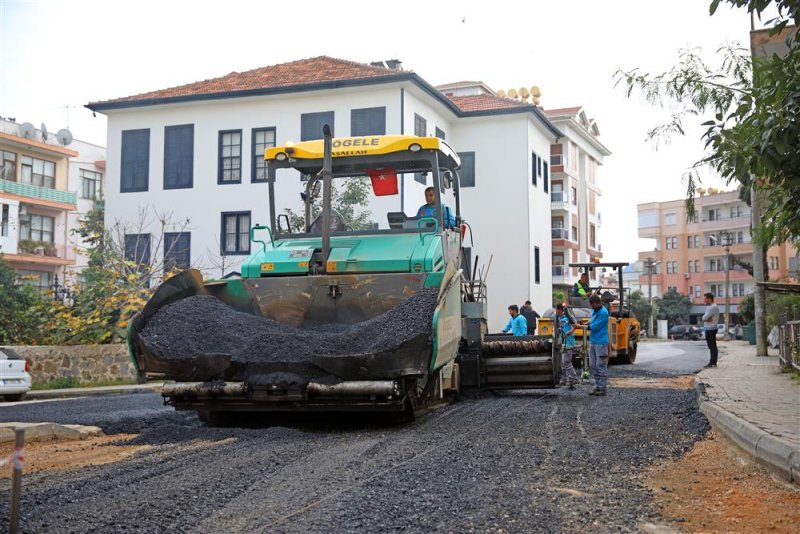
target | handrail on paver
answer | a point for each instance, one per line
(789, 343)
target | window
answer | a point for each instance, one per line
(229, 170)
(691, 264)
(38, 172)
(546, 176)
(575, 234)
(467, 171)
(90, 184)
(440, 133)
(536, 277)
(36, 227)
(311, 124)
(178, 156)
(534, 169)
(667, 243)
(697, 241)
(674, 242)
(669, 267)
(5, 210)
(235, 233)
(8, 165)
(714, 214)
(689, 241)
(697, 266)
(736, 211)
(697, 292)
(135, 167)
(368, 121)
(670, 219)
(41, 280)
(591, 236)
(261, 138)
(137, 249)
(740, 237)
(420, 127)
(574, 197)
(177, 250)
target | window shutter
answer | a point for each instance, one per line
(311, 125)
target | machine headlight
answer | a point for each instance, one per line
(281, 156)
(414, 147)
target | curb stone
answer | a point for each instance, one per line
(776, 453)
(47, 431)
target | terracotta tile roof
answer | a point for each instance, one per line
(485, 102)
(300, 72)
(562, 111)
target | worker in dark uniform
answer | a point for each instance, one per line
(530, 316)
(429, 209)
(581, 287)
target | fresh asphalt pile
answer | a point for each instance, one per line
(203, 325)
(515, 462)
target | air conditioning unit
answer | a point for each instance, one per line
(687, 275)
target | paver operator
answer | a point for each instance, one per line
(517, 324)
(429, 209)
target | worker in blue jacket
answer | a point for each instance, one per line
(517, 324)
(429, 209)
(598, 345)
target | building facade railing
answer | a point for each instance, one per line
(560, 233)
(560, 270)
(559, 196)
(35, 191)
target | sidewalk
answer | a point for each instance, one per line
(750, 400)
(152, 387)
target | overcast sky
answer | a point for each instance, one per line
(58, 55)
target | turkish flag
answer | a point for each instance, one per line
(384, 181)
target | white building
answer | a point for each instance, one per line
(47, 183)
(576, 219)
(194, 153)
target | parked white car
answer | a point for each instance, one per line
(15, 379)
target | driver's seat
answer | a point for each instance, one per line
(337, 223)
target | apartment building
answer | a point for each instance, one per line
(195, 152)
(575, 193)
(47, 182)
(690, 255)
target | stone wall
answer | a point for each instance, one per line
(85, 363)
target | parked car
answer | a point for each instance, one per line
(684, 331)
(15, 378)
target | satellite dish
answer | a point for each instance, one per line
(27, 130)
(501, 93)
(512, 93)
(64, 137)
(44, 132)
(536, 92)
(523, 92)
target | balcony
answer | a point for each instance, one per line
(559, 200)
(40, 193)
(560, 233)
(560, 271)
(31, 252)
(725, 223)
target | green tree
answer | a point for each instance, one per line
(673, 307)
(348, 197)
(747, 309)
(751, 112)
(640, 306)
(22, 318)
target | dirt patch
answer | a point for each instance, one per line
(716, 487)
(671, 382)
(57, 455)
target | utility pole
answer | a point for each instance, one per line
(726, 242)
(649, 265)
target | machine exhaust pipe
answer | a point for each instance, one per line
(354, 388)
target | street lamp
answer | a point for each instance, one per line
(726, 239)
(650, 266)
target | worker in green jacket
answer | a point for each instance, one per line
(581, 287)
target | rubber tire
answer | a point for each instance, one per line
(16, 397)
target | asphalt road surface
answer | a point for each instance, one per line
(535, 461)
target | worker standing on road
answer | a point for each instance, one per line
(568, 375)
(429, 209)
(710, 318)
(517, 324)
(530, 316)
(581, 287)
(598, 345)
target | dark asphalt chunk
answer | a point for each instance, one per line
(205, 325)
